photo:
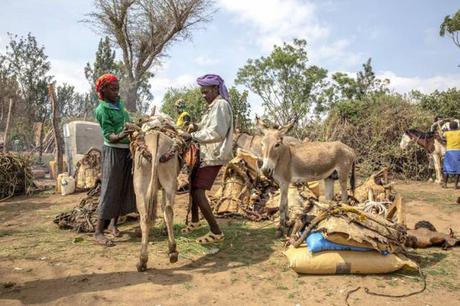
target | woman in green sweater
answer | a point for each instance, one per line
(117, 193)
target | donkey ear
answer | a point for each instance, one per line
(286, 128)
(260, 124)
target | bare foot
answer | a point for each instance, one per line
(102, 240)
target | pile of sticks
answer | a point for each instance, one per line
(15, 175)
(83, 217)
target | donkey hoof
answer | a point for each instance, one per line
(173, 257)
(141, 267)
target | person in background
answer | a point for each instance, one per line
(117, 192)
(451, 165)
(183, 123)
(214, 135)
(183, 119)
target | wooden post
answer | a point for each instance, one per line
(7, 127)
(56, 130)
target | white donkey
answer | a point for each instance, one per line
(150, 175)
(306, 161)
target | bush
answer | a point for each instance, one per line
(373, 127)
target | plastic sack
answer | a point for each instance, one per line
(317, 243)
(67, 185)
(345, 262)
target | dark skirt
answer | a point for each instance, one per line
(203, 178)
(117, 191)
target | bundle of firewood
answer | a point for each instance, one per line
(15, 175)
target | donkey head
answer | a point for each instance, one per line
(405, 140)
(272, 146)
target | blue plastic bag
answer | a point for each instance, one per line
(317, 243)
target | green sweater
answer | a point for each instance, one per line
(112, 119)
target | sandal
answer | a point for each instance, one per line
(190, 228)
(183, 190)
(210, 238)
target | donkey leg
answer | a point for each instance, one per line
(168, 213)
(144, 255)
(283, 205)
(329, 189)
(343, 186)
(142, 204)
(437, 167)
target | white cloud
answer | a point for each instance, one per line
(160, 85)
(403, 84)
(338, 53)
(206, 61)
(278, 20)
(70, 72)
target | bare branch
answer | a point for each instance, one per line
(143, 29)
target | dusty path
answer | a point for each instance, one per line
(40, 264)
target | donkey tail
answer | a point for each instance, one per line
(153, 185)
(353, 179)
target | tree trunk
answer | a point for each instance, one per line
(131, 96)
(2, 113)
(7, 128)
(56, 130)
(40, 142)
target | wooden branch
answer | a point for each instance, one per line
(57, 131)
(7, 128)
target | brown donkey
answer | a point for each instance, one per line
(306, 161)
(431, 143)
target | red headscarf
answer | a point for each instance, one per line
(102, 81)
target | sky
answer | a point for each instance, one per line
(401, 37)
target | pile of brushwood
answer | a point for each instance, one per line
(373, 128)
(246, 193)
(83, 217)
(243, 192)
(15, 175)
(344, 224)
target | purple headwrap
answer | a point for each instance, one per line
(214, 80)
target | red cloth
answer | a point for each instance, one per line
(102, 81)
(203, 178)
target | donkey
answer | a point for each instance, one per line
(305, 161)
(431, 143)
(149, 176)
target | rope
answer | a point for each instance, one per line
(379, 207)
(368, 291)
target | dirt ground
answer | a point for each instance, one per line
(40, 264)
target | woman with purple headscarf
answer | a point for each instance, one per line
(214, 134)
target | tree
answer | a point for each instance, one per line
(195, 105)
(286, 84)
(143, 30)
(106, 62)
(8, 89)
(451, 27)
(241, 109)
(28, 65)
(70, 104)
(344, 87)
(445, 104)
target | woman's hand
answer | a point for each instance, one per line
(114, 138)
